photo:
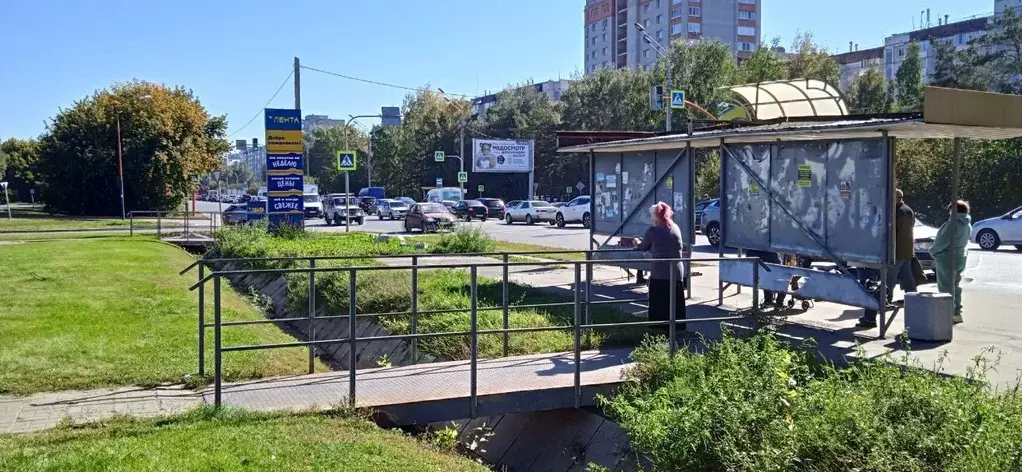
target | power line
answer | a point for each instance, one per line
(383, 84)
(264, 106)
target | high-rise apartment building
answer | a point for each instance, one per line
(612, 40)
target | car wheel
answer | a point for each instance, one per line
(483, 219)
(988, 240)
(507, 218)
(407, 228)
(713, 234)
(586, 221)
(360, 221)
(380, 215)
(391, 217)
(327, 221)
(468, 218)
(528, 219)
(429, 228)
(1018, 247)
(560, 220)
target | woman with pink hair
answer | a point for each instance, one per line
(663, 241)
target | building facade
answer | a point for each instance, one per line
(613, 40)
(320, 121)
(957, 33)
(855, 62)
(553, 89)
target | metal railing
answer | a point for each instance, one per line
(171, 221)
(581, 302)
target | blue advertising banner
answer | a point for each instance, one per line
(256, 210)
(284, 163)
(284, 167)
(286, 184)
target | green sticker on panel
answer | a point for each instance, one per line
(805, 175)
(754, 188)
(670, 181)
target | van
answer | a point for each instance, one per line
(375, 192)
(440, 195)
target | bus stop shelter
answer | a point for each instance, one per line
(819, 186)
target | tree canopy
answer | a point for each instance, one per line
(909, 80)
(20, 157)
(167, 138)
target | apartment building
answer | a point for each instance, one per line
(612, 40)
(957, 33)
(856, 61)
(553, 89)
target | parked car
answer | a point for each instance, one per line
(558, 204)
(468, 209)
(530, 211)
(924, 235)
(428, 217)
(389, 208)
(235, 215)
(313, 205)
(494, 207)
(700, 207)
(709, 221)
(408, 201)
(575, 211)
(367, 204)
(991, 233)
(448, 203)
(376, 192)
(338, 208)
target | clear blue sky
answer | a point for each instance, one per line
(235, 54)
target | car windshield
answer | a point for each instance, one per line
(397, 205)
(492, 203)
(312, 199)
(340, 201)
(433, 208)
(474, 203)
(540, 203)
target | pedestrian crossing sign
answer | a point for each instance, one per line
(462, 177)
(346, 161)
(438, 156)
(677, 99)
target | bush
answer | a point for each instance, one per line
(463, 240)
(753, 404)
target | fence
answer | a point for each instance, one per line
(173, 222)
(582, 303)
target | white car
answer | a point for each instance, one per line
(393, 209)
(530, 211)
(575, 211)
(991, 233)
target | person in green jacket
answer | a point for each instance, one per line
(950, 246)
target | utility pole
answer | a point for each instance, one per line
(298, 84)
(667, 59)
(659, 49)
(120, 162)
(369, 160)
(461, 153)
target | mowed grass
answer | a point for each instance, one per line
(508, 246)
(79, 314)
(32, 219)
(226, 440)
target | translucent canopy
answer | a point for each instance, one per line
(791, 98)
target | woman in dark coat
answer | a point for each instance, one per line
(663, 241)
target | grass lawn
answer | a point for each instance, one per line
(226, 441)
(88, 313)
(508, 246)
(31, 219)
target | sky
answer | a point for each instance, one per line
(236, 54)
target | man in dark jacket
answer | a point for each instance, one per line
(904, 253)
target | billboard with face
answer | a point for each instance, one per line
(492, 155)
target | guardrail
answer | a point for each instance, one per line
(167, 221)
(582, 303)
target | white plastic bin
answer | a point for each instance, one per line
(929, 316)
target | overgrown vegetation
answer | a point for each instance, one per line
(228, 440)
(754, 404)
(388, 291)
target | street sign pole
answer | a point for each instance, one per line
(7, 198)
(347, 200)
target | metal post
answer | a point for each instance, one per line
(722, 219)
(312, 315)
(352, 309)
(755, 287)
(504, 303)
(667, 60)
(120, 166)
(131, 223)
(298, 84)
(691, 216)
(740, 253)
(202, 320)
(589, 298)
(217, 345)
(461, 161)
(347, 198)
(159, 224)
(672, 315)
(882, 300)
(415, 306)
(474, 341)
(578, 336)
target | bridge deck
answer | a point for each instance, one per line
(441, 391)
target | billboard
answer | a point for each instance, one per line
(493, 155)
(284, 169)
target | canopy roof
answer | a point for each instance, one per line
(791, 98)
(948, 113)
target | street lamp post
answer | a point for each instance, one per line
(667, 62)
(120, 163)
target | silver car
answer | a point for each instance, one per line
(392, 209)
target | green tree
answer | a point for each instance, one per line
(22, 162)
(956, 67)
(764, 65)
(321, 157)
(809, 60)
(909, 80)
(703, 70)
(610, 99)
(1001, 51)
(167, 137)
(521, 112)
(868, 93)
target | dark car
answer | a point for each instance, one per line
(428, 217)
(468, 209)
(236, 215)
(494, 207)
(367, 204)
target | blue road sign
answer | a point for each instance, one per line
(677, 99)
(439, 182)
(438, 156)
(462, 177)
(347, 161)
